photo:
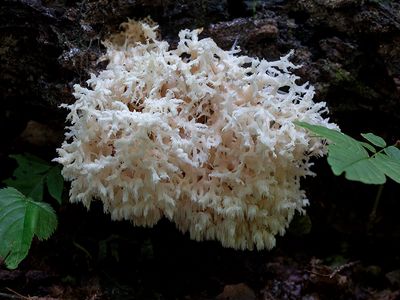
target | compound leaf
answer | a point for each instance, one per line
(374, 139)
(330, 134)
(31, 175)
(388, 165)
(369, 147)
(350, 156)
(28, 176)
(366, 172)
(21, 219)
(393, 152)
(55, 183)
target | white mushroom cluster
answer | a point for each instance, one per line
(199, 135)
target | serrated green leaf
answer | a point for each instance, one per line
(374, 139)
(393, 152)
(31, 162)
(21, 219)
(55, 183)
(31, 186)
(45, 219)
(387, 165)
(31, 175)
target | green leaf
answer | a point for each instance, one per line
(374, 139)
(330, 134)
(368, 146)
(21, 219)
(31, 175)
(29, 178)
(349, 156)
(388, 165)
(55, 183)
(393, 152)
(366, 172)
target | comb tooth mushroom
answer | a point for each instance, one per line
(199, 135)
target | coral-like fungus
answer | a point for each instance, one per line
(199, 135)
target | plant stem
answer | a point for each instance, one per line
(372, 215)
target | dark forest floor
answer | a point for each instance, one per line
(91, 257)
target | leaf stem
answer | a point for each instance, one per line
(372, 216)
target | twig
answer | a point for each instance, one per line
(18, 295)
(9, 296)
(336, 270)
(342, 267)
